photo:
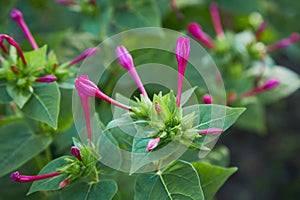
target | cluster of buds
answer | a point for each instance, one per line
(48, 73)
(223, 45)
(163, 113)
(81, 164)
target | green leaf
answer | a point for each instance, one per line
(65, 117)
(212, 177)
(50, 183)
(179, 181)
(211, 115)
(44, 104)
(36, 58)
(186, 95)
(104, 189)
(19, 95)
(4, 97)
(18, 145)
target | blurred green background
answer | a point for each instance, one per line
(269, 164)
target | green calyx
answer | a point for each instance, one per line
(164, 116)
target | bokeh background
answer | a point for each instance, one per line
(268, 162)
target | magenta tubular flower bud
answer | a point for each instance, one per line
(260, 30)
(2, 46)
(152, 144)
(284, 42)
(207, 99)
(66, 2)
(12, 42)
(126, 61)
(157, 108)
(195, 30)
(15, 176)
(182, 56)
(216, 20)
(211, 131)
(270, 84)
(76, 152)
(64, 183)
(86, 89)
(17, 16)
(46, 79)
(87, 53)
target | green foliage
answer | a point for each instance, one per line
(178, 181)
(212, 177)
(19, 144)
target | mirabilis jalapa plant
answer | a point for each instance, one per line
(26, 76)
(250, 75)
(170, 121)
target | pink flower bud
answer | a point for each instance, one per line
(182, 56)
(126, 61)
(284, 42)
(270, 83)
(87, 53)
(261, 30)
(15, 176)
(12, 42)
(46, 79)
(216, 20)
(157, 108)
(17, 16)
(196, 31)
(152, 143)
(207, 99)
(175, 8)
(211, 131)
(64, 183)
(76, 152)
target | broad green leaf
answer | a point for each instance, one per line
(49, 183)
(18, 145)
(186, 95)
(4, 97)
(211, 115)
(44, 104)
(105, 190)
(36, 58)
(65, 117)
(179, 181)
(19, 95)
(212, 177)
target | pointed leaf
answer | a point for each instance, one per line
(4, 97)
(44, 104)
(212, 177)
(179, 181)
(36, 58)
(19, 95)
(18, 145)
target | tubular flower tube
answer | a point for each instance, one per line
(17, 16)
(211, 131)
(87, 53)
(12, 42)
(207, 99)
(86, 89)
(152, 143)
(268, 85)
(15, 176)
(126, 61)
(3, 48)
(182, 56)
(216, 20)
(260, 30)
(196, 31)
(66, 2)
(76, 152)
(46, 79)
(284, 42)
(175, 8)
